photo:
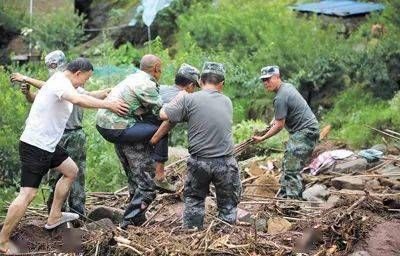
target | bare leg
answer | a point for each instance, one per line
(160, 173)
(15, 212)
(69, 170)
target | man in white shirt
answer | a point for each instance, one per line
(38, 147)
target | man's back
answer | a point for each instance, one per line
(209, 116)
(291, 106)
(140, 91)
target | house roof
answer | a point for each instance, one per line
(339, 8)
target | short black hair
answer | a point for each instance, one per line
(80, 64)
(184, 81)
(210, 78)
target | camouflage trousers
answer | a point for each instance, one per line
(224, 174)
(140, 171)
(74, 141)
(297, 153)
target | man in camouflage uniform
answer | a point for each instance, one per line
(141, 92)
(73, 138)
(292, 112)
(209, 116)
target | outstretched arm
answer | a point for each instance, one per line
(276, 128)
(17, 77)
(100, 94)
(117, 106)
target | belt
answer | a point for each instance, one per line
(74, 129)
(200, 158)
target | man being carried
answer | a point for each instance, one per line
(131, 134)
(209, 116)
(38, 147)
(73, 138)
(292, 112)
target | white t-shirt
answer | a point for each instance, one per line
(49, 114)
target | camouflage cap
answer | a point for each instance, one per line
(55, 59)
(189, 72)
(213, 68)
(269, 71)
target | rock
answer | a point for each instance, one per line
(390, 169)
(332, 202)
(372, 184)
(380, 147)
(261, 224)
(102, 212)
(244, 216)
(316, 193)
(266, 185)
(106, 224)
(360, 253)
(357, 165)
(278, 224)
(348, 182)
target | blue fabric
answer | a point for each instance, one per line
(138, 133)
(371, 155)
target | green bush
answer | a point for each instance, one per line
(354, 109)
(14, 111)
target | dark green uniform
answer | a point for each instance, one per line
(302, 126)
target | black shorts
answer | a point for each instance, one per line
(36, 162)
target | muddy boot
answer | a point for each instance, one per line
(164, 186)
(134, 213)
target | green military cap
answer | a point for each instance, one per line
(189, 72)
(213, 68)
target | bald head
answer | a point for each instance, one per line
(151, 64)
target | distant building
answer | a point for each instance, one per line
(350, 13)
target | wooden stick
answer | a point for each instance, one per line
(393, 132)
(146, 223)
(130, 247)
(385, 133)
(375, 175)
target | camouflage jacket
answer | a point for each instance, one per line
(141, 92)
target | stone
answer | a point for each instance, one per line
(356, 165)
(389, 169)
(332, 202)
(244, 216)
(360, 253)
(348, 182)
(278, 225)
(106, 224)
(103, 212)
(372, 184)
(380, 147)
(261, 224)
(266, 185)
(316, 193)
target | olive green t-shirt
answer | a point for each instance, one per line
(291, 106)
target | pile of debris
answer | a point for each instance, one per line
(350, 207)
